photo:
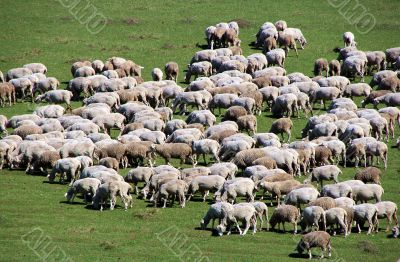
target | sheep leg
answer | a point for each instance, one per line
(389, 222)
(165, 202)
(309, 254)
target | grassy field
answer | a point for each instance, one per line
(152, 33)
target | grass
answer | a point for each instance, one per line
(45, 31)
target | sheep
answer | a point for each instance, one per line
(224, 169)
(81, 147)
(188, 98)
(221, 100)
(26, 130)
(110, 191)
(376, 58)
(311, 216)
(230, 38)
(325, 94)
(265, 161)
(353, 66)
(204, 184)
(334, 68)
(244, 212)
(276, 57)
(337, 215)
(241, 187)
(246, 157)
(202, 117)
(69, 166)
(369, 174)
(156, 74)
(297, 34)
(56, 96)
(7, 91)
(388, 210)
(17, 73)
(171, 70)
(337, 190)
(285, 158)
(205, 146)
(85, 186)
(320, 65)
(287, 41)
(285, 213)
(281, 126)
(171, 190)
(109, 162)
(378, 149)
(286, 103)
(85, 161)
(278, 188)
(348, 39)
(262, 211)
(344, 202)
(214, 212)
(199, 68)
(328, 172)
(233, 113)
(269, 44)
(248, 123)
(139, 174)
(161, 176)
(324, 202)
(175, 150)
(366, 192)
(45, 160)
(301, 196)
(366, 212)
(315, 239)
(392, 54)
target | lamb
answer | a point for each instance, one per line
(241, 187)
(387, 209)
(69, 166)
(86, 186)
(315, 239)
(328, 172)
(244, 212)
(110, 191)
(369, 174)
(171, 190)
(348, 39)
(204, 184)
(278, 188)
(281, 126)
(311, 216)
(285, 213)
(337, 215)
(7, 91)
(334, 68)
(366, 212)
(301, 196)
(366, 192)
(320, 65)
(324, 202)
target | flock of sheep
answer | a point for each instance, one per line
(116, 96)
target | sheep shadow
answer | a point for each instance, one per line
(202, 46)
(72, 203)
(297, 255)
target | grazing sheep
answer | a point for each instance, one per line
(109, 162)
(262, 211)
(315, 239)
(69, 166)
(240, 187)
(337, 190)
(86, 186)
(18, 73)
(7, 92)
(171, 190)
(366, 192)
(174, 150)
(312, 216)
(297, 34)
(281, 126)
(278, 188)
(276, 57)
(392, 54)
(269, 44)
(324, 202)
(286, 103)
(199, 68)
(139, 174)
(171, 71)
(387, 209)
(110, 191)
(214, 212)
(244, 212)
(248, 123)
(344, 202)
(369, 174)
(265, 161)
(25, 130)
(337, 215)
(366, 212)
(57, 97)
(328, 172)
(156, 74)
(288, 42)
(285, 213)
(205, 146)
(321, 65)
(45, 160)
(301, 196)
(226, 170)
(334, 68)
(204, 184)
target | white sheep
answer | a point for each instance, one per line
(348, 39)
(86, 186)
